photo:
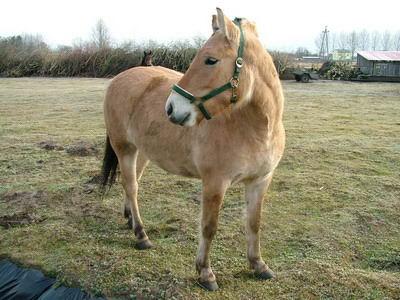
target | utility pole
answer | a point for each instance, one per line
(324, 49)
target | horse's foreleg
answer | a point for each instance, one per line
(128, 166)
(212, 197)
(254, 194)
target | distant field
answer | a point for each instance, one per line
(331, 224)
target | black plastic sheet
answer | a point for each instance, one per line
(25, 284)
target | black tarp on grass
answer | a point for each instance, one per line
(24, 284)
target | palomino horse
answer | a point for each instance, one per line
(231, 131)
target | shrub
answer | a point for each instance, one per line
(340, 71)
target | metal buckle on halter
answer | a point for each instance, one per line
(234, 82)
(239, 62)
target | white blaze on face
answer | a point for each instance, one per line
(182, 110)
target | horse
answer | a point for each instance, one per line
(147, 60)
(220, 122)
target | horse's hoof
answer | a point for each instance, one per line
(208, 285)
(265, 275)
(143, 245)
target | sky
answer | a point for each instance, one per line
(283, 25)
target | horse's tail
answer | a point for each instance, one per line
(110, 164)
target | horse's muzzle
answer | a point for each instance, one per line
(181, 119)
(179, 111)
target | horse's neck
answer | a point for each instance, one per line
(263, 113)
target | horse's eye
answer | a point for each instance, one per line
(211, 61)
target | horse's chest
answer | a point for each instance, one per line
(254, 165)
(244, 162)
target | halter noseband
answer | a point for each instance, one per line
(232, 84)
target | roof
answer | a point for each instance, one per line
(380, 55)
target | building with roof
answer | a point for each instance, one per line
(379, 63)
(342, 55)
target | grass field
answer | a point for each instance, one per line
(331, 224)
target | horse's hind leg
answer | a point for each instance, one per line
(128, 165)
(141, 163)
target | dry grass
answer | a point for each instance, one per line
(331, 226)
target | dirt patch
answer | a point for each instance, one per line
(19, 219)
(50, 145)
(24, 198)
(92, 184)
(82, 148)
(95, 179)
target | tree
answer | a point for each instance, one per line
(396, 41)
(101, 38)
(375, 40)
(386, 40)
(363, 40)
(352, 42)
(343, 41)
(301, 51)
(199, 41)
(333, 40)
(318, 41)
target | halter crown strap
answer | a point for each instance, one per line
(233, 83)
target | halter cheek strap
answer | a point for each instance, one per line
(233, 83)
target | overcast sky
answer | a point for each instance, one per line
(282, 24)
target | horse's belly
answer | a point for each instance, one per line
(166, 147)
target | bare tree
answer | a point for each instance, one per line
(302, 51)
(375, 40)
(318, 41)
(333, 40)
(363, 40)
(101, 38)
(199, 41)
(353, 42)
(281, 61)
(396, 41)
(386, 40)
(343, 40)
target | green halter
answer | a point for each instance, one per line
(232, 84)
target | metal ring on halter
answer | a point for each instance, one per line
(234, 82)
(239, 62)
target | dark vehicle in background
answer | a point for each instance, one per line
(306, 75)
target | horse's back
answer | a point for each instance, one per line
(134, 94)
(132, 83)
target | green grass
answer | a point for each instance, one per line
(331, 224)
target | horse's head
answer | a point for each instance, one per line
(147, 58)
(218, 77)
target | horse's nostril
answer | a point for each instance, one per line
(170, 109)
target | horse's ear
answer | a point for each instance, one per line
(225, 25)
(221, 21)
(215, 26)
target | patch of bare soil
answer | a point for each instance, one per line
(82, 148)
(92, 184)
(23, 198)
(19, 219)
(50, 145)
(22, 206)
